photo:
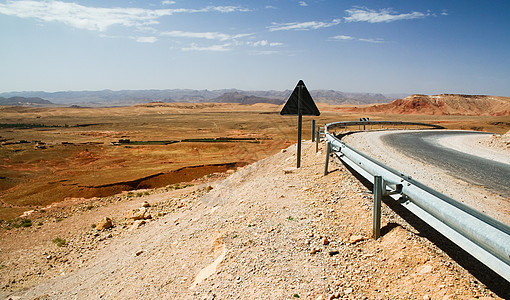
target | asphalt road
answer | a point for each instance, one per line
(495, 176)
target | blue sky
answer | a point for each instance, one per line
(407, 46)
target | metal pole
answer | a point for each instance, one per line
(313, 130)
(328, 150)
(317, 139)
(300, 123)
(378, 191)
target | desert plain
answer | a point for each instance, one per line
(70, 167)
(52, 154)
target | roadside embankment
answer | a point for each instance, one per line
(268, 231)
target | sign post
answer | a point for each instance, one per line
(300, 126)
(300, 103)
(313, 130)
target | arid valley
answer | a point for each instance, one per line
(66, 168)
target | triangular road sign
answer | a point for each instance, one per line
(308, 107)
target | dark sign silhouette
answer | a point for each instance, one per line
(308, 107)
(300, 103)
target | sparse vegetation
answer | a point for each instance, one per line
(26, 126)
(18, 223)
(60, 242)
(178, 186)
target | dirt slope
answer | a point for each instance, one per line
(444, 104)
(268, 231)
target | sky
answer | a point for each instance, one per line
(374, 46)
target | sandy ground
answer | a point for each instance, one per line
(475, 196)
(268, 231)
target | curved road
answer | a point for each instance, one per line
(474, 169)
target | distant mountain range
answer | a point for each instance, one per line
(130, 97)
(237, 97)
(24, 101)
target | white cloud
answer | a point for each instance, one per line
(204, 35)
(97, 18)
(270, 7)
(264, 43)
(303, 3)
(384, 15)
(342, 37)
(375, 41)
(146, 39)
(167, 2)
(303, 25)
(350, 38)
(217, 48)
(260, 43)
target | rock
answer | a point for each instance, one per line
(104, 224)
(356, 238)
(334, 252)
(426, 297)
(315, 250)
(348, 290)
(146, 204)
(137, 224)
(289, 170)
(138, 214)
(138, 252)
(425, 269)
(325, 241)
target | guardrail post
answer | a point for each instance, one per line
(378, 191)
(313, 130)
(317, 139)
(328, 150)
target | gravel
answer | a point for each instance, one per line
(261, 233)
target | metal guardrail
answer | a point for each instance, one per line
(485, 238)
(381, 123)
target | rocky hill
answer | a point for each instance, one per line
(445, 104)
(23, 101)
